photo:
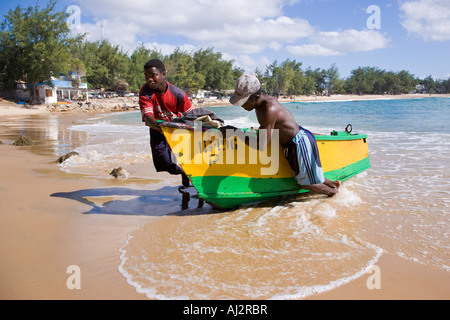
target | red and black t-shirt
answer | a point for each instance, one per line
(172, 104)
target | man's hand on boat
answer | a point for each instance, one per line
(152, 124)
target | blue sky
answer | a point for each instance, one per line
(411, 35)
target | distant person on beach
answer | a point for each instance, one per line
(300, 146)
(160, 100)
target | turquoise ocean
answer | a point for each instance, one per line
(285, 248)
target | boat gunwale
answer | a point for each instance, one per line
(343, 136)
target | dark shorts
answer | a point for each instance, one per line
(163, 157)
(303, 157)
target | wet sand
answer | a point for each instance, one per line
(42, 235)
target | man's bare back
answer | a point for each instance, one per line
(272, 115)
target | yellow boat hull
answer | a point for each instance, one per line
(227, 172)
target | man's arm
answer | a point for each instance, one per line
(263, 135)
(150, 121)
(146, 106)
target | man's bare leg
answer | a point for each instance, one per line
(333, 184)
(322, 189)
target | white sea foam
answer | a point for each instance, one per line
(243, 122)
(108, 146)
(106, 127)
(286, 231)
(149, 292)
(142, 277)
(305, 292)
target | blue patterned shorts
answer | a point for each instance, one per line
(303, 157)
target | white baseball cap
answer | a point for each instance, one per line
(246, 85)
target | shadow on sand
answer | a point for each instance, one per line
(126, 201)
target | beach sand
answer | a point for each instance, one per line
(42, 235)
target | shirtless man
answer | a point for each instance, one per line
(299, 144)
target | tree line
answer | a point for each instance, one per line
(35, 44)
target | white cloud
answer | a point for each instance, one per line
(167, 49)
(336, 43)
(234, 27)
(311, 50)
(429, 19)
(248, 63)
(255, 36)
(352, 40)
(117, 32)
(177, 16)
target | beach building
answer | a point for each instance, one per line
(61, 89)
(55, 90)
(213, 95)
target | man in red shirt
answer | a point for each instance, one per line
(160, 100)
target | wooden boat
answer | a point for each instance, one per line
(227, 173)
